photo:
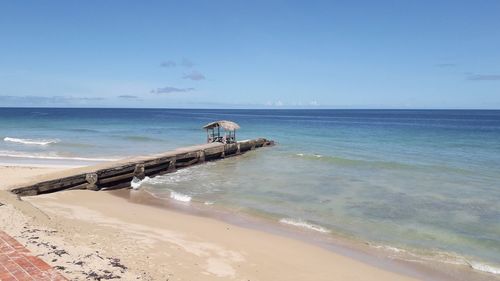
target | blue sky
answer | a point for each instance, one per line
(250, 54)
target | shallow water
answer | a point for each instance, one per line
(421, 181)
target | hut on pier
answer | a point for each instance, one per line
(227, 135)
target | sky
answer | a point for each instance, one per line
(251, 54)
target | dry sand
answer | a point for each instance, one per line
(14, 175)
(90, 235)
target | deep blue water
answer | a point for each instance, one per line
(426, 181)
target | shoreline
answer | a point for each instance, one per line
(64, 206)
(374, 254)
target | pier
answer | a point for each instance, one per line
(119, 174)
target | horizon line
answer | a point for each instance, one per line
(254, 108)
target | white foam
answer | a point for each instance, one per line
(180, 197)
(209, 203)
(136, 182)
(309, 155)
(443, 257)
(31, 141)
(17, 154)
(304, 224)
(484, 267)
(180, 176)
(388, 248)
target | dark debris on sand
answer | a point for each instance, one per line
(111, 268)
(116, 263)
(92, 275)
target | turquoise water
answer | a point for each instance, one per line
(419, 181)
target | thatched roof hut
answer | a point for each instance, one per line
(214, 133)
(225, 124)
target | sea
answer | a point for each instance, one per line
(421, 184)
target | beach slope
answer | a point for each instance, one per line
(86, 233)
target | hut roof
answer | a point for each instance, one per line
(227, 125)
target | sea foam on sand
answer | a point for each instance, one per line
(304, 224)
(31, 141)
(49, 156)
(180, 197)
(136, 184)
(484, 268)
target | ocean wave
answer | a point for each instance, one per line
(419, 256)
(484, 267)
(16, 154)
(180, 197)
(179, 176)
(136, 182)
(304, 224)
(422, 255)
(388, 248)
(139, 138)
(379, 164)
(31, 141)
(157, 180)
(80, 130)
(341, 161)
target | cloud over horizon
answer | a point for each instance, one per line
(168, 63)
(186, 63)
(194, 75)
(128, 97)
(38, 100)
(483, 77)
(172, 63)
(170, 90)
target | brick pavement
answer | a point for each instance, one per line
(18, 264)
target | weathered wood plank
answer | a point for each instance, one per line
(115, 178)
(123, 169)
(156, 169)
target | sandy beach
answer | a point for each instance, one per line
(91, 235)
(250, 140)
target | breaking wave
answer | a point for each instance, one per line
(180, 197)
(435, 256)
(484, 267)
(15, 154)
(304, 224)
(31, 141)
(350, 162)
(136, 183)
(377, 164)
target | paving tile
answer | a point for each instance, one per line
(17, 263)
(5, 275)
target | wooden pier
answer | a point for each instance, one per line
(119, 174)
